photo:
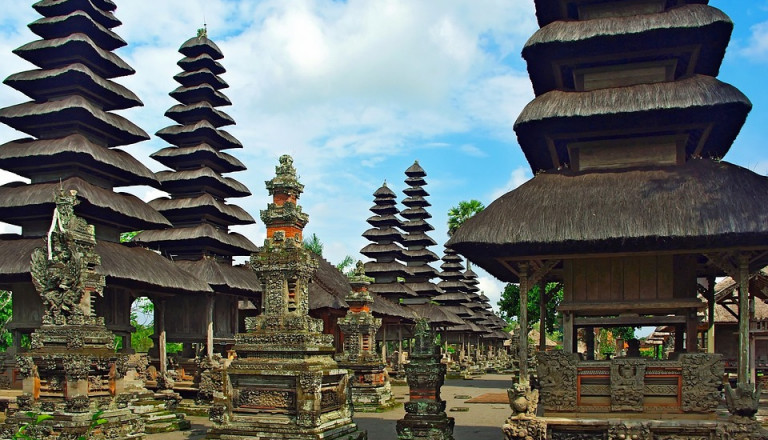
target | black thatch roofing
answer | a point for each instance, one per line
(99, 10)
(77, 22)
(199, 133)
(436, 315)
(223, 277)
(644, 109)
(30, 158)
(21, 202)
(71, 115)
(548, 11)
(695, 35)
(199, 207)
(203, 61)
(189, 114)
(202, 236)
(329, 287)
(50, 54)
(197, 46)
(189, 180)
(76, 78)
(201, 155)
(202, 92)
(393, 290)
(202, 76)
(703, 204)
(134, 268)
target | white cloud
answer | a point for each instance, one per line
(491, 287)
(472, 150)
(518, 176)
(757, 46)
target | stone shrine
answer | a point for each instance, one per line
(425, 412)
(71, 371)
(370, 385)
(284, 382)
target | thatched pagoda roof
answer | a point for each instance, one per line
(74, 78)
(202, 76)
(70, 115)
(695, 35)
(50, 54)
(697, 101)
(62, 25)
(135, 268)
(201, 236)
(197, 46)
(27, 158)
(200, 92)
(200, 132)
(189, 180)
(201, 155)
(190, 114)
(548, 11)
(701, 204)
(202, 206)
(100, 10)
(21, 202)
(436, 315)
(223, 277)
(392, 290)
(203, 61)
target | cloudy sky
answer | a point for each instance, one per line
(357, 90)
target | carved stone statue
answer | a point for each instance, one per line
(627, 382)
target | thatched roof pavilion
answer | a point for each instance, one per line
(631, 205)
(73, 131)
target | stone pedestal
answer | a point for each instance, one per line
(425, 412)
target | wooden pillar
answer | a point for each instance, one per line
(589, 340)
(743, 372)
(679, 338)
(711, 314)
(691, 332)
(543, 315)
(161, 344)
(523, 318)
(399, 345)
(568, 345)
(209, 303)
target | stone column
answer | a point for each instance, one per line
(542, 315)
(161, 345)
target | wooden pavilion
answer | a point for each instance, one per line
(625, 137)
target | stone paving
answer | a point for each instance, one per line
(482, 421)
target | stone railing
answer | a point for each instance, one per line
(689, 383)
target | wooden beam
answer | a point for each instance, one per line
(543, 299)
(523, 320)
(623, 321)
(743, 374)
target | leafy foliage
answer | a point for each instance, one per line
(509, 304)
(457, 215)
(313, 243)
(6, 311)
(143, 320)
(128, 236)
(346, 264)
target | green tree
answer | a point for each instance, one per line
(6, 311)
(457, 215)
(509, 304)
(314, 244)
(346, 264)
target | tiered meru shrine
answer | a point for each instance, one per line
(625, 137)
(633, 210)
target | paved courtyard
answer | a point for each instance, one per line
(482, 421)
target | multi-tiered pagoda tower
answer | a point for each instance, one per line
(630, 205)
(454, 299)
(284, 382)
(200, 241)
(417, 256)
(74, 133)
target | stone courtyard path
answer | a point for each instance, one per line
(482, 421)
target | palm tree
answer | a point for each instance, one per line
(459, 214)
(314, 244)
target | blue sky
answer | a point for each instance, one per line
(358, 90)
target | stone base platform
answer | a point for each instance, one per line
(237, 431)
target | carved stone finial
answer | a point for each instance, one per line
(743, 400)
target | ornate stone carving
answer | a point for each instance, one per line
(630, 431)
(64, 273)
(77, 404)
(557, 376)
(567, 435)
(525, 428)
(742, 401)
(627, 384)
(702, 379)
(76, 367)
(523, 400)
(26, 365)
